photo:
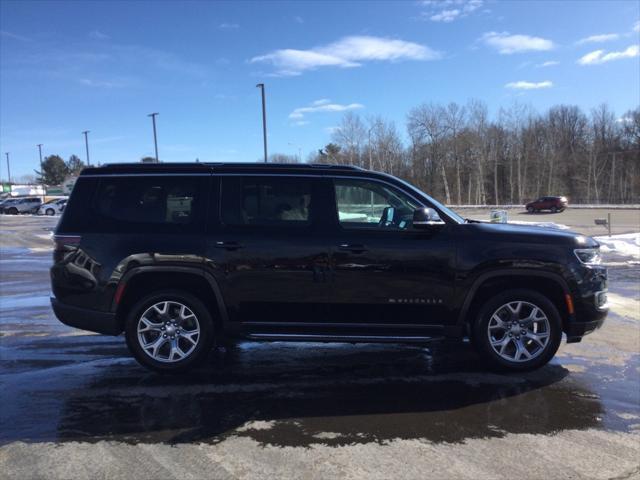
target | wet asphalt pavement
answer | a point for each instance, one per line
(75, 405)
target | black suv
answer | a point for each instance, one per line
(181, 257)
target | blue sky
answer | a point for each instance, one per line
(66, 67)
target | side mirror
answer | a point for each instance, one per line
(422, 217)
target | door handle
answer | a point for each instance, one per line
(352, 247)
(228, 245)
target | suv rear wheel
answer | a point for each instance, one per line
(169, 331)
(50, 211)
(518, 330)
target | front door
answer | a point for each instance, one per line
(388, 274)
(271, 263)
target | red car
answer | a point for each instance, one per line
(553, 204)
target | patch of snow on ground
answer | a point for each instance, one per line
(625, 244)
(558, 226)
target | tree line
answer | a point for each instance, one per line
(55, 170)
(460, 155)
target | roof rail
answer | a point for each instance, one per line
(229, 164)
(159, 164)
(335, 165)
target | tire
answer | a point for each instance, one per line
(50, 211)
(530, 209)
(554, 209)
(12, 211)
(167, 359)
(548, 331)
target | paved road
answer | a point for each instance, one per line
(74, 405)
(579, 220)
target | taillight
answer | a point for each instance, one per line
(62, 241)
(63, 245)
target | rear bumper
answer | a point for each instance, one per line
(84, 319)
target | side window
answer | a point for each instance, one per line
(161, 203)
(372, 205)
(266, 201)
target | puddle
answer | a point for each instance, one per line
(287, 395)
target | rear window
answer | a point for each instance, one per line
(266, 201)
(136, 204)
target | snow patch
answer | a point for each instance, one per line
(625, 244)
(11, 302)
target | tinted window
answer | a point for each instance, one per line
(365, 204)
(265, 201)
(136, 204)
(77, 217)
(151, 200)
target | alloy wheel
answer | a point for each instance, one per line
(168, 331)
(519, 331)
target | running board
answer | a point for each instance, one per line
(280, 337)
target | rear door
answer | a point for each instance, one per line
(388, 275)
(268, 253)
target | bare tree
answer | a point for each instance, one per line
(514, 158)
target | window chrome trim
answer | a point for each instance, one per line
(109, 175)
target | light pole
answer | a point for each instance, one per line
(264, 121)
(40, 152)
(8, 166)
(41, 172)
(155, 137)
(86, 144)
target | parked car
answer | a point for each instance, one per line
(181, 257)
(52, 207)
(21, 205)
(553, 204)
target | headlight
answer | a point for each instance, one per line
(588, 256)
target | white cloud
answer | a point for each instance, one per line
(550, 63)
(348, 52)
(98, 35)
(228, 26)
(449, 10)
(472, 6)
(300, 123)
(598, 57)
(507, 44)
(636, 26)
(445, 16)
(522, 85)
(4, 33)
(323, 105)
(100, 83)
(605, 37)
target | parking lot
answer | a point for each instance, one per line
(75, 405)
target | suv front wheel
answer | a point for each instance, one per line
(518, 330)
(169, 331)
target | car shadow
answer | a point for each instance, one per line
(296, 394)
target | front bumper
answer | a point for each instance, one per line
(85, 319)
(575, 331)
